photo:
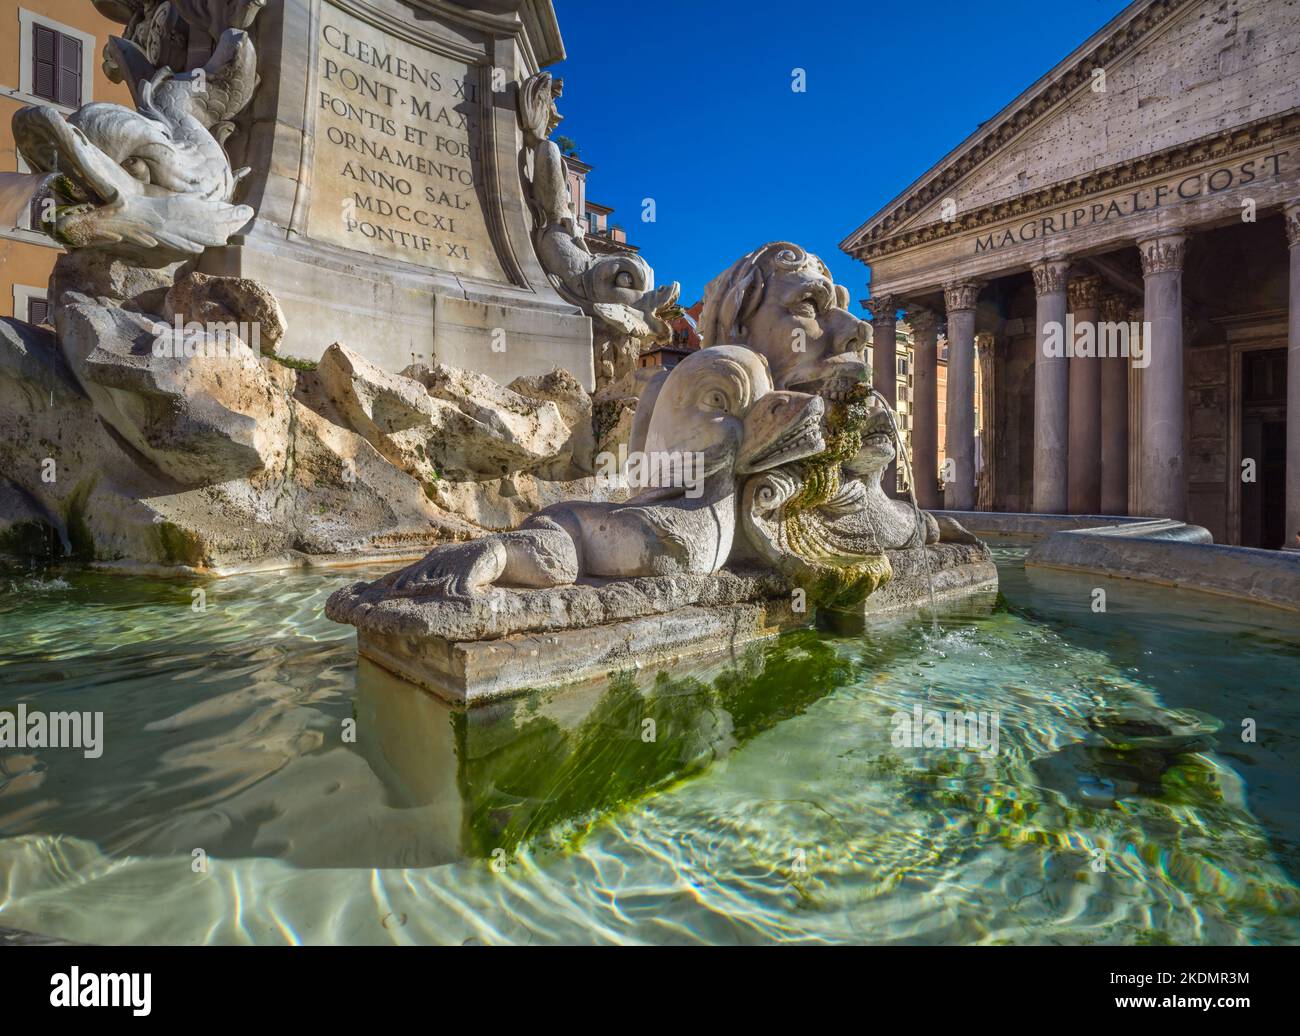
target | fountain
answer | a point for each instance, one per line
(593, 651)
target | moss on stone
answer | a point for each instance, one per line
(293, 362)
(178, 547)
(80, 537)
(34, 539)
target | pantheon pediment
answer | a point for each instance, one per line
(1166, 88)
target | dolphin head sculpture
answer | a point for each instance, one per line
(720, 402)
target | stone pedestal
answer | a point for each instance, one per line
(507, 641)
(960, 298)
(482, 648)
(955, 570)
(480, 782)
(1163, 491)
(1051, 393)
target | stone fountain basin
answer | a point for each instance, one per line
(509, 641)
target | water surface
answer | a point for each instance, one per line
(770, 803)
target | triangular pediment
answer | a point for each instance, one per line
(1161, 74)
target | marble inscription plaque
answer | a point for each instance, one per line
(396, 166)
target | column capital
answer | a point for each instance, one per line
(1291, 214)
(923, 321)
(1084, 292)
(1162, 254)
(1114, 309)
(1050, 275)
(984, 343)
(883, 308)
(959, 295)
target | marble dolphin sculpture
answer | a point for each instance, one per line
(718, 412)
(153, 186)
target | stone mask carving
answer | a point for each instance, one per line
(825, 521)
(781, 301)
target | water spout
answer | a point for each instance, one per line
(16, 193)
(903, 459)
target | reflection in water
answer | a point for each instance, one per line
(543, 768)
(764, 803)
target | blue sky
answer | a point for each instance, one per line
(689, 102)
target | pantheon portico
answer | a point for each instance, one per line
(1141, 200)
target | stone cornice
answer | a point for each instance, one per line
(1074, 73)
(880, 242)
(1162, 254)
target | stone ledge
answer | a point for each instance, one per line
(956, 569)
(1139, 552)
(1031, 528)
(374, 608)
(476, 672)
(474, 650)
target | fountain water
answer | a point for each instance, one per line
(16, 193)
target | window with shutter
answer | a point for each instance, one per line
(56, 66)
(38, 311)
(69, 71)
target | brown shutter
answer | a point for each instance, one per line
(56, 66)
(69, 71)
(45, 50)
(38, 311)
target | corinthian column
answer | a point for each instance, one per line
(1084, 494)
(1114, 417)
(884, 364)
(986, 478)
(1292, 532)
(1163, 492)
(1051, 391)
(925, 406)
(959, 299)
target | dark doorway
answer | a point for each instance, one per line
(1263, 440)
